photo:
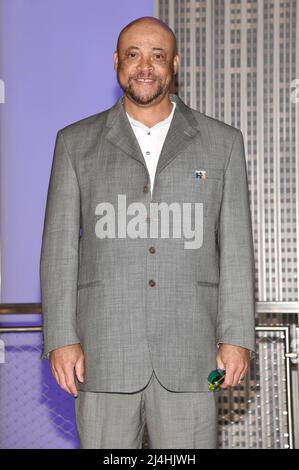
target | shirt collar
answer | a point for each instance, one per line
(161, 123)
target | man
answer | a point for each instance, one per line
(132, 322)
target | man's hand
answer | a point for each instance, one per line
(235, 361)
(63, 361)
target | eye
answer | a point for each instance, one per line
(132, 55)
(159, 56)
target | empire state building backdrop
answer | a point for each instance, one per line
(240, 64)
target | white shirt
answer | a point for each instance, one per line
(151, 140)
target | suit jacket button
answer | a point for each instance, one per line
(152, 283)
(152, 249)
(145, 188)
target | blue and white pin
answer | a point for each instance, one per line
(200, 175)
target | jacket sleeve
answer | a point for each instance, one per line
(236, 300)
(59, 253)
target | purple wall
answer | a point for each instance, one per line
(57, 65)
(56, 59)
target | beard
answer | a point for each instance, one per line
(144, 98)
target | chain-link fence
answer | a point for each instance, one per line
(258, 412)
(35, 413)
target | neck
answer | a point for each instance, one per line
(151, 114)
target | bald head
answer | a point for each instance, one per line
(146, 61)
(148, 22)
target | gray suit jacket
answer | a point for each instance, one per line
(96, 291)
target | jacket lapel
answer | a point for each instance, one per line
(182, 130)
(120, 132)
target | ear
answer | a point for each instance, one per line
(176, 62)
(115, 60)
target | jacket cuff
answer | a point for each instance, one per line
(47, 349)
(252, 352)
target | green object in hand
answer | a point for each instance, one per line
(215, 379)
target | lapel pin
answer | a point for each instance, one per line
(200, 174)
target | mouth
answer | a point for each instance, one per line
(145, 81)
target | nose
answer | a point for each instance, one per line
(144, 64)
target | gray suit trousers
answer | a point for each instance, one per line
(175, 420)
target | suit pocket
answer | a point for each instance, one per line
(89, 300)
(208, 189)
(207, 305)
(214, 174)
(83, 285)
(208, 284)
